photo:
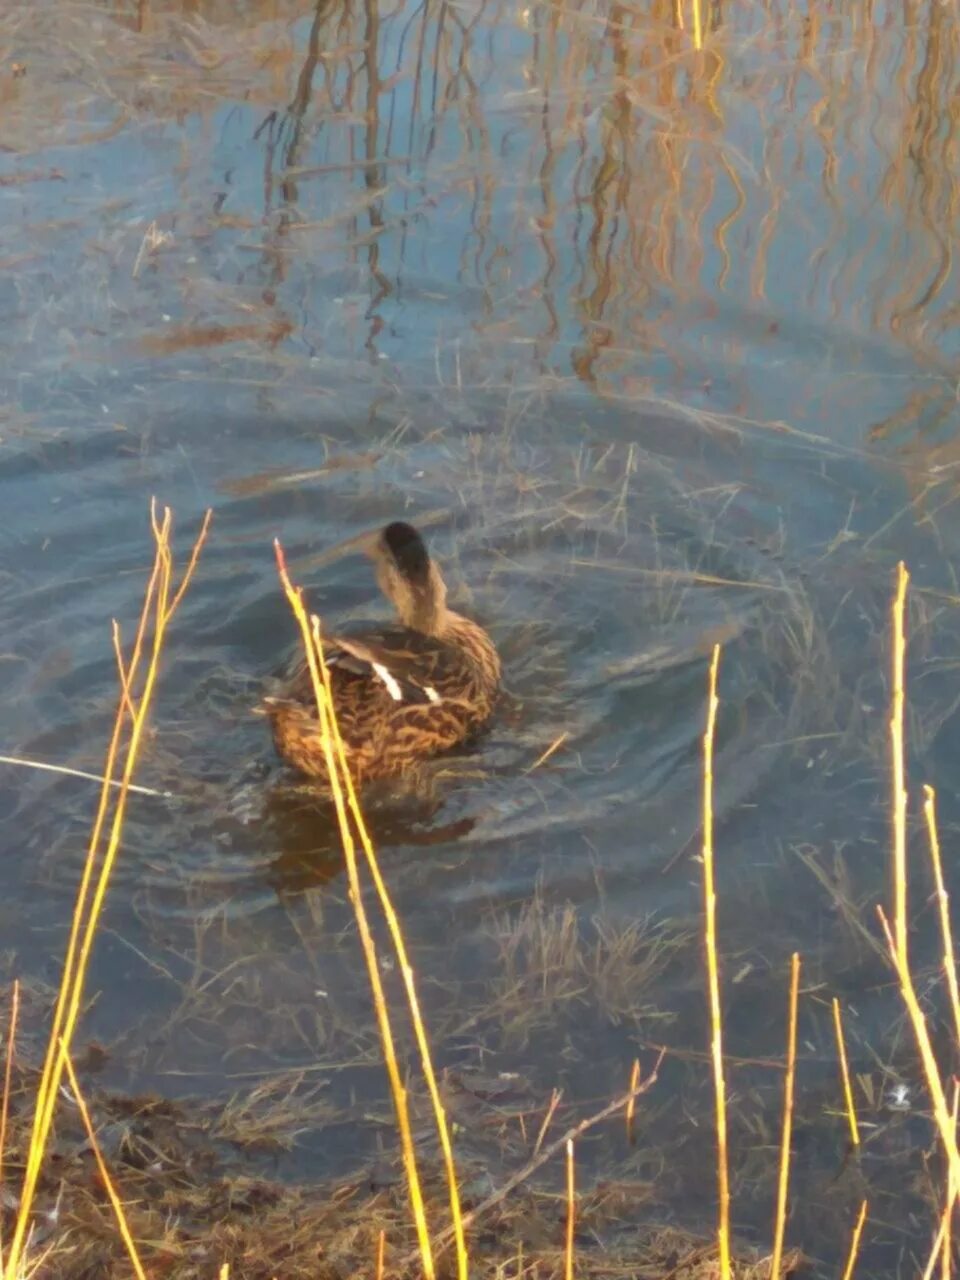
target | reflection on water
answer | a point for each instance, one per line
(662, 346)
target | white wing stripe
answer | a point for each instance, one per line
(393, 688)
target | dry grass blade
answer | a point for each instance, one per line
(896, 935)
(632, 1103)
(90, 895)
(406, 969)
(67, 772)
(555, 1096)
(899, 768)
(845, 1075)
(783, 1183)
(855, 1243)
(554, 746)
(409, 982)
(339, 777)
(943, 900)
(943, 1241)
(571, 1212)
(713, 973)
(539, 1160)
(946, 1217)
(122, 1224)
(931, 1070)
(7, 1076)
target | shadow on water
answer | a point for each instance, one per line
(660, 348)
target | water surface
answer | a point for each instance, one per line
(660, 348)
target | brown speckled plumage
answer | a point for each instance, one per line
(403, 691)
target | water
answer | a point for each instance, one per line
(661, 350)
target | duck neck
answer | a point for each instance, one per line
(474, 641)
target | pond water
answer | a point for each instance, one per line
(660, 348)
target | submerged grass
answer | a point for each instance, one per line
(169, 1196)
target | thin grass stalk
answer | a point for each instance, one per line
(44, 1099)
(406, 973)
(784, 1179)
(66, 771)
(713, 973)
(571, 1212)
(931, 1070)
(85, 917)
(946, 1217)
(935, 1253)
(125, 677)
(855, 1243)
(555, 1096)
(845, 1076)
(53, 1062)
(123, 1226)
(332, 755)
(897, 758)
(536, 1162)
(381, 1253)
(35, 1268)
(632, 1100)
(7, 1083)
(943, 900)
(896, 935)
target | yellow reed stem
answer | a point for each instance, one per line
(941, 1112)
(946, 1217)
(713, 973)
(405, 968)
(86, 914)
(45, 1095)
(943, 900)
(896, 935)
(571, 1212)
(8, 1082)
(784, 1179)
(899, 768)
(855, 1243)
(53, 1064)
(122, 670)
(697, 25)
(935, 1252)
(632, 1100)
(845, 1075)
(381, 1252)
(122, 1224)
(332, 749)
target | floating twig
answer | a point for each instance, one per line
(82, 773)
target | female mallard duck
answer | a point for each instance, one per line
(402, 691)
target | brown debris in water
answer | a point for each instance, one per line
(194, 337)
(195, 1201)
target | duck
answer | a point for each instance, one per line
(402, 691)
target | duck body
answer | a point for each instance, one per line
(402, 691)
